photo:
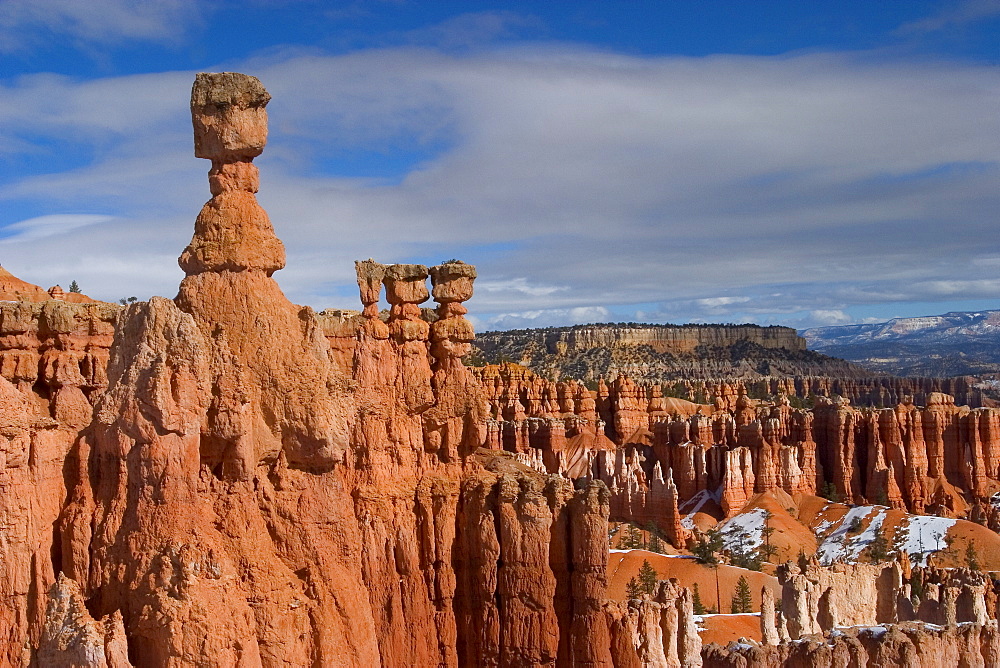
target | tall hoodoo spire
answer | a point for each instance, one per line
(232, 231)
(262, 339)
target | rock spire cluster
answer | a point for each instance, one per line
(229, 479)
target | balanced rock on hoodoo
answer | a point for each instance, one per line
(232, 231)
(261, 339)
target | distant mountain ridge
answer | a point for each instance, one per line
(951, 344)
(661, 353)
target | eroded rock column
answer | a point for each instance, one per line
(454, 426)
(260, 340)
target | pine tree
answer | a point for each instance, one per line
(916, 588)
(655, 544)
(634, 538)
(632, 589)
(971, 558)
(628, 540)
(74, 287)
(699, 607)
(878, 549)
(708, 545)
(829, 492)
(766, 551)
(742, 599)
(648, 577)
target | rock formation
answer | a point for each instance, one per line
(254, 489)
(657, 453)
(865, 615)
(229, 479)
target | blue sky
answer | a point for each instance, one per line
(798, 163)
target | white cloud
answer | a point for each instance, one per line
(715, 302)
(543, 318)
(715, 188)
(831, 317)
(47, 226)
(25, 22)
(959, 14)
(518, 286)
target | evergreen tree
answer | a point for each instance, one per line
(634, 537)
(767, 551)
(648, 577)
(744, 558)
(655, 545)
(971, 558)
(632, 589)
(699, 607)
(742, 599)
(878, 549)
(708, 545)
(629, 538)
(74, 287)
(829, 492)
(916, 588)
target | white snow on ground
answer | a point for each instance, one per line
(695, 503)
(744, 533)
(822, 527)
(839, 545)
(922, 536)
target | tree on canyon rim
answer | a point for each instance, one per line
(696, 604)
(648, 577)
(633, 589)
(742, 599)
(708, 545)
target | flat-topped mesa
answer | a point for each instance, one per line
(232, 231)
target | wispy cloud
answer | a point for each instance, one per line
(24, 23)
(956, 15)
(41, 227)
(715, 188)
(474, 29)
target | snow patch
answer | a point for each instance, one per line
(923, 535)
(697, 501)
(822, 527)
(839, 545)
(744, 533)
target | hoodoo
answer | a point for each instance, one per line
(229, 479)
(243, 499)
